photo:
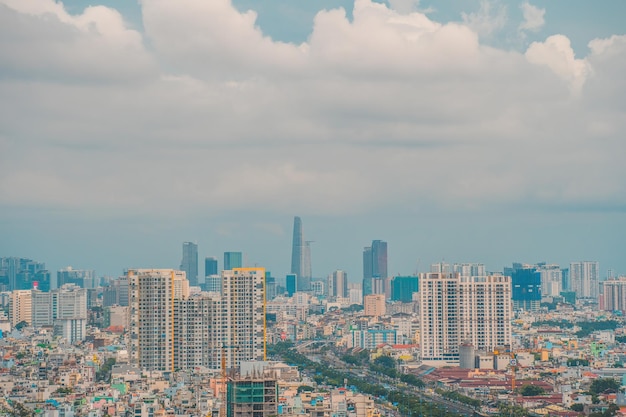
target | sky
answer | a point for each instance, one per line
(458, 131)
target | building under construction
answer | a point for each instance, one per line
(253, 396)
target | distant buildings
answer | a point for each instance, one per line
(374, 305)
(403, 288)
(189, 263)
(82, 278)
(301, 257)
(374, 267)
(23, 274)
(210, 266)
(526, 282)
(233, 260)
(20, 309)
(585, 279)
(614, 294)
(338, 284)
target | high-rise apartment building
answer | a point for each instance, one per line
(585, 279)
(338, 284)
(551, 280)
(243, 306)
(456, 309)
(485, 311)
(20, 309)
(189, 263)
(233, 260)
(152, 293)
(374, 267)
(614, 291)
(301, 256)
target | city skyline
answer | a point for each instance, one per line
(458, 131)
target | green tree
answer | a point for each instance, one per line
(601, 385)
(531, 390)
(577, 407)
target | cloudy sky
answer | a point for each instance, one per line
(467, 131)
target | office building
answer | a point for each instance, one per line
(585, 279)
(233, 260)
(338, 284)
(151, 298)
(243, 298)
(189, 263)
(82, 278)
(403, 288)
(301, 256)
(614, 291)
(371, 338)
(526, 283)
(210, 266)
(455, 309)
(291, 284)
(375, 268)
(20, 309)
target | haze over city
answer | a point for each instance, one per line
(489, 132)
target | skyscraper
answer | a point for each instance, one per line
(233, 260)
(301, 256)
(189, 263)
(243, 309)
(375, 267)
(585, 278)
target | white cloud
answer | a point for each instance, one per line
(533, 17)
(557, 54)
(388, 109)
(489, 19)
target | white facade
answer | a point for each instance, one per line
(551, 280)
(455, 309)
(243, 312)
(21, 307)
(585, 278)
(151, 324)
(485, 311)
